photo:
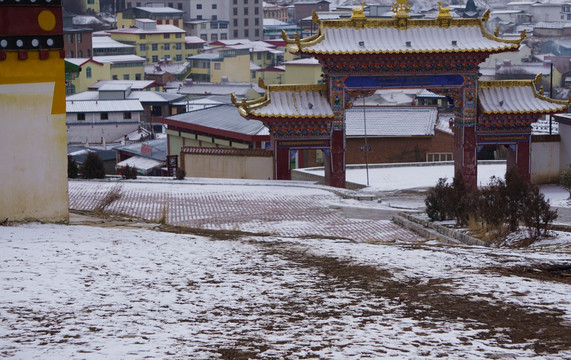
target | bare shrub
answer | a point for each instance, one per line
(113, 195)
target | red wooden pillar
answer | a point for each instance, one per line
(465, 154)
(520, 158)
(335, 162)
(281, 163)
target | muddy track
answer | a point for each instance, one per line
(433, 303)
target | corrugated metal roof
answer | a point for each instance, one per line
(142, 96)
(143, 165)
(103, 106)
(222, 117)
(391, 121)
(158, 149)
(159, 30)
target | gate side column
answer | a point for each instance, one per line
(335, 160)
(465, 154)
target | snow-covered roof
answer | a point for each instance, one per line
(288, 101)
(516, 97)
(89, 106)
(222, 117)
(105, 42)
(193, 40)
(160, 29)
(391, 121)
(135, 84)
(142, 164)
(160, 10)
(114, 59)
(142, 96)
(362, 35)
(304, 61)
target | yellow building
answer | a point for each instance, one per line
(162, 15)
(32, 103)
(303, 71)
(152, 41)
(91, 72)
(124, 67)
(227, 65)
(92, 6)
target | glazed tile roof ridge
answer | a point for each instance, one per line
(287, 101)
(225, 151)
(401, 34)
(516, 97)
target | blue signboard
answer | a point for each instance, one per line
(417, 81)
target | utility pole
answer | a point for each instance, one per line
(550, 95)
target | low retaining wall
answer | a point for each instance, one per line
(448, 232)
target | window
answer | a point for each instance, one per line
(71, 54)
(154, 47)
(171, 5)
(142, 36)
(198, 17)
(224, 36)
(259, 56)
(235, 22)
(88, 53)
(257, 21)
(177, 57)
(256, 11)
(214, 6)
(167, 36)
(80, 116)
(79, 38)
(137, 76)
(167, 46)
(245, 11)
(256, 2)
(235, 2)
(179, 6)
(79, 54)
(127, 115)
(88, 72)
(178, 46)
(246, 33)
(217, 66)
(155, 58)
(203, 26)
(257, 32)
(125, 76)
(214, 18)
(235, 11)
(246, 22)
(198, 6)
(178, 36)
(245, 1)
(104, 116)
(213, 37)
(204, 37)
(236, 33)
(142, 47)
(115, 77)
(91, 2)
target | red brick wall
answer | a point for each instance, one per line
(396, 150)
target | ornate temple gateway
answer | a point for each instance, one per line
(361, 55)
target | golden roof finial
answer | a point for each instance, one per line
(401, 8)
(359, 13)
(443, 12)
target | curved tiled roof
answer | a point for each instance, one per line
(288, 101)
(516, 97)
(362, 35)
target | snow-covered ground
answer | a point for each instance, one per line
(94, 292)
(77, 292)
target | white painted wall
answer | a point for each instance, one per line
(34, 156)
(565, 146)
(545, 162)
(94, 130)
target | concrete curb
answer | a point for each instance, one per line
(431, 230)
